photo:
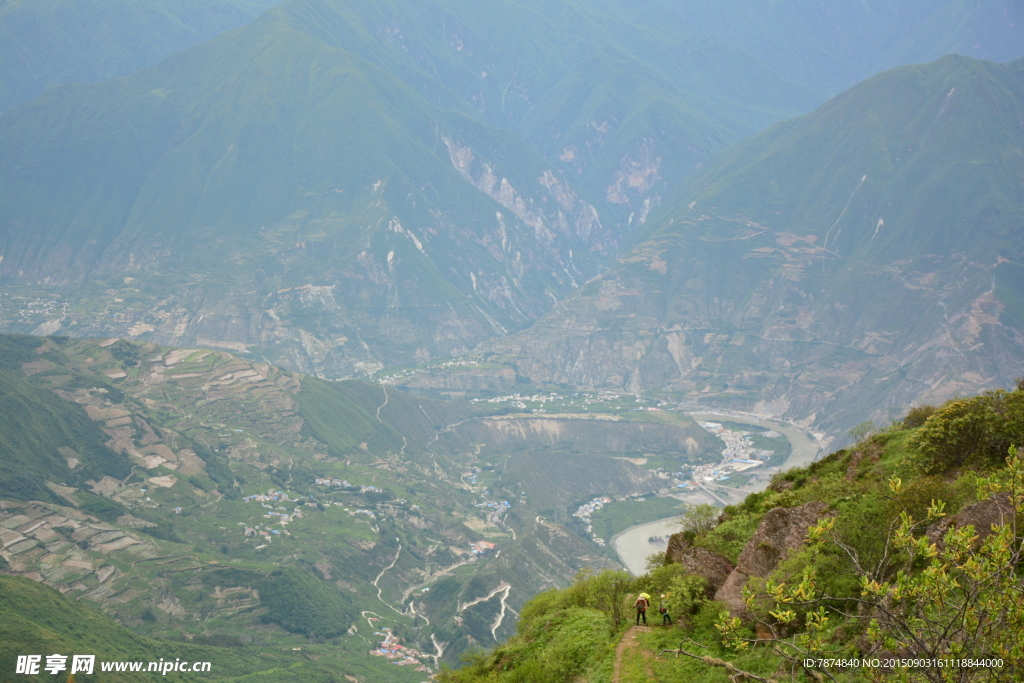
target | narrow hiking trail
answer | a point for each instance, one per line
(629, 648)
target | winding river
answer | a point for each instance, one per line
(632, 545)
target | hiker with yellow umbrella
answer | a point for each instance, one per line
(643, 601)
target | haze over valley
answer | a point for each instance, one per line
(331, 333)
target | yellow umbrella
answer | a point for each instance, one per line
(645, 596)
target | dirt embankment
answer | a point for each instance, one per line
(591, 435)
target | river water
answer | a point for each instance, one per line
(632, 545)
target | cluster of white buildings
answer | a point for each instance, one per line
(346, 484)
(518, 399)
(470, 476)
(270, 496)
(258, 531)
(481, 547)
(395, 376)
(586, 510)
(738, 455)
(283, 517)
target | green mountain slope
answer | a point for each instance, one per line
(906, 554)
(597, 87)
(225, 501)
(314, 186)
(345, 186)
(833, 267)
(607, 90)
(54, 42)
(42, 437)
(39, 620)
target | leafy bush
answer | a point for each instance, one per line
(729, 537)
(684, 593)
(699, 519)
(555, 650)
(918, 416)
(969, 432)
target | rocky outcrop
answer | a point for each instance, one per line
(781, 531)
(677, 545)
(982, 516)
(710, 566)
(714, 568)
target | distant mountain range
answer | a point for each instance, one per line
(833, 268)
(53, 42)
(725, 204)
(342, 187)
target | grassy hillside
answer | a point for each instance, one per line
(43, 437)
(901, 536)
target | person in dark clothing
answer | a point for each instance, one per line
(641, 606)
(663, 610)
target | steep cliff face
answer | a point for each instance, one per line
(710, 566)
(782, 531)
(839, 265)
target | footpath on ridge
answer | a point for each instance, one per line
(629, 650)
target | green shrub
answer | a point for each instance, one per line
(918, 416)
(968, 432)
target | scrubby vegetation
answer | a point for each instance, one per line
(915, 555)
(301, 603)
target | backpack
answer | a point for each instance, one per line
(663, 609)
(641, 604)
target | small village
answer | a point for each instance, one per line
(270, 496)
(346, 484)
(586, 510)
(739, 454)
(576, 402)
(391, 648)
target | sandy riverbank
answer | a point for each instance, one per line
(632, 546)
(805, 446)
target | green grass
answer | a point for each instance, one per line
(736, 479)
(302, 603)
(35, 619)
